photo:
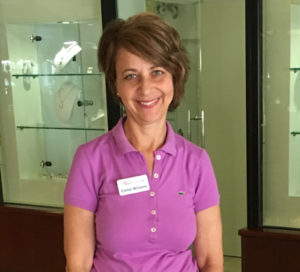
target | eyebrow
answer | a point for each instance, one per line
(135, 70)
(129, 70)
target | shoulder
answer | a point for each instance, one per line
(187, 148)
(195, 158)
(96, 146)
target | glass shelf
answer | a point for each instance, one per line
(295, 69)
(294, 133)
(61, 128)
(54, 75)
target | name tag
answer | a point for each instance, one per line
(133, 185)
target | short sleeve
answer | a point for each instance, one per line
(83, 183)
(206, 188)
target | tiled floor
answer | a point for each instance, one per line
(232, 264)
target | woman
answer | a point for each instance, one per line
(140, 195)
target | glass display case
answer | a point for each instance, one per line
(281, 118)
(53, 97)
(294, 141)
(272, 53)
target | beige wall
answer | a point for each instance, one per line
(223, 85)
(29, 11)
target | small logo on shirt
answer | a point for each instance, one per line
(180, 193)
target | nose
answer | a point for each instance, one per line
(145, 85)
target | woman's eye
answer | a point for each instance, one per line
(130, 76)
(158, 72)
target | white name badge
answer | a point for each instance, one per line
(133, 185)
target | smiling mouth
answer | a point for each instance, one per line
(148, 103)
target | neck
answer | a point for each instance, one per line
(146, 138)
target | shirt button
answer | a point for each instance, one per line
(155, 175)
(152, 193)
(153, 212)
(158, 157)
(153, 229)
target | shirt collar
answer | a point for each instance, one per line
(120, 138)
(124, 145)
(170, 144)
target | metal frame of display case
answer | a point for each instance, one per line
(114, 111)
(254, 112)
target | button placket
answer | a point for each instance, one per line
(152, 216)
(157, 167)
(153, 196)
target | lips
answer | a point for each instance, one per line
(148, 103)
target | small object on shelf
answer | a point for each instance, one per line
(7, 66)
(69, 50)
(85, 103)
(27, 69)
(35, 38)
(65, 98)
(45, 163)
(99, 114)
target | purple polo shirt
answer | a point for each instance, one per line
(150, 230)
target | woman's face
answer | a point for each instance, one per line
(145, 89)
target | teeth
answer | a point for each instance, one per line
(148, 103)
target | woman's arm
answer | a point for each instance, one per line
(79, 239)
(208, 242)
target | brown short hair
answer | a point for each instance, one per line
(149, 37)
